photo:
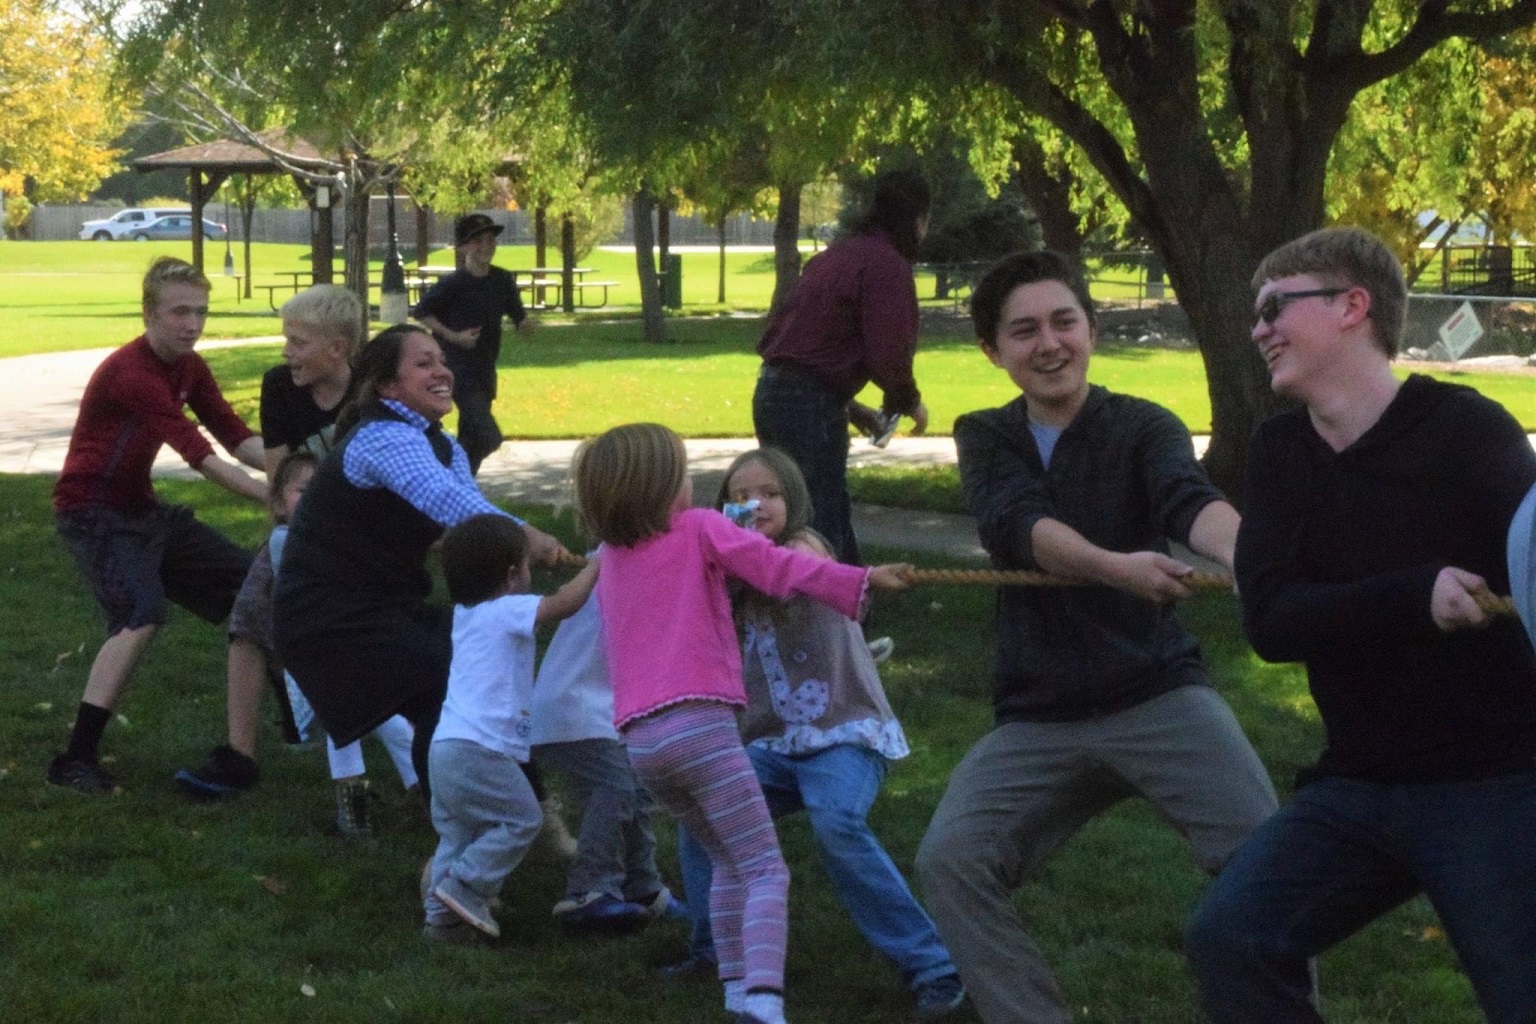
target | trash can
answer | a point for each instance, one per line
(671, 278)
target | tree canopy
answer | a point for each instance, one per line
(58, 116)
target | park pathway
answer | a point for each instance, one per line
(39, 395)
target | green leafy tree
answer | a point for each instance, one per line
(58, 114)
(1212, 123)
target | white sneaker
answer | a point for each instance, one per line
(881, 648)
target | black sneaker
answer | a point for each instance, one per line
(226, 772)
(84, 775)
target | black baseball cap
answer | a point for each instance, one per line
(472, 224)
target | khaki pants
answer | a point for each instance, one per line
(1026, 787)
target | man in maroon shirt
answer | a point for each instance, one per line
(851, 319)
(136, 552)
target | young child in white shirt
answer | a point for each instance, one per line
(483, 808)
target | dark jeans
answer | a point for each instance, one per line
(479, 433)
(793, 412)
(1343, 853)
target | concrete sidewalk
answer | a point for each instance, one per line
(40, 394)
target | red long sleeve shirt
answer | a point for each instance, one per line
(853, 318)
(133, 404)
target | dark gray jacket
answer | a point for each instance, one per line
(1124, 475)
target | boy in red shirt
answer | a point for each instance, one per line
(135, 551)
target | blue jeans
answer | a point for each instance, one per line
(1343, 853)
(791, 411)
(836, 788)
(615, 846)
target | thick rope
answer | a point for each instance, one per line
(1025, 578)
(1491, 604)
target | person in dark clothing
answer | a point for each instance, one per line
(1376, 522)
(1100, 693)
(350, 619)
(463, 311)
(851, 319)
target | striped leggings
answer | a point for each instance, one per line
(691, 759)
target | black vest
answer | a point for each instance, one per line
(350, 548)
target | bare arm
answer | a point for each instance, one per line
(274, 456)
(252, 453)
(464, 339)
(232, 478)
(567, 601)
(1150, 575)
(544, 549)
(1214, 532)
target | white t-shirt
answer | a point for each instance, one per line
(490, 682)
(573, 699)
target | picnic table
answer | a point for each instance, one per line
(537, 281)
(297, 279)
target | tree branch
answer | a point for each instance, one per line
(1434, 25)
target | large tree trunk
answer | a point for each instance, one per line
(355, 243)
(652, 317)
(786, 244)
(1050, 197)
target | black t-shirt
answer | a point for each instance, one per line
(462, 300)
(289, 415)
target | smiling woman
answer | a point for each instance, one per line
(351, 619)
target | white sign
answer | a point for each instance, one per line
(1461, 331)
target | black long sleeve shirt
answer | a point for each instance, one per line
(1336, 559)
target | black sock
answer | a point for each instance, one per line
(90, 722)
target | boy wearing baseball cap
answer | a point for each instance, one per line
(463, 311)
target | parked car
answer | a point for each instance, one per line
(175, 228)
(123, 223)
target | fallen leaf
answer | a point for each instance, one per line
(272, 885)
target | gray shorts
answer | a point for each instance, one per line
(137, 561)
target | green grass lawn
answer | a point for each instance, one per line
(577, 379)
(73, 295)
(143, 907)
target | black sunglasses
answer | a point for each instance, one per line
(1275, 302)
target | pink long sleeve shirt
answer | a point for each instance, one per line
(667, 615)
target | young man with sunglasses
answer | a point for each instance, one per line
(1374, 524)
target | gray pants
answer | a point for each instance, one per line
(486, 817)
(1026, 787)
(616, 847)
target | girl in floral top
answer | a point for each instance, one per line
(820, 734)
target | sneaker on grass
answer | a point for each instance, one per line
(225, 772)
(82, 774)
(939, 997)
(600, 912)
(468, 904)
(662, 903)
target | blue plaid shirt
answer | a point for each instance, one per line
(398, 457)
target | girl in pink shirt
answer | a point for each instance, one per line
(676, 671)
